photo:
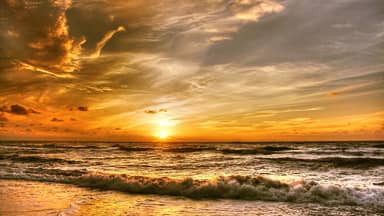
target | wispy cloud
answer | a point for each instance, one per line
(222, 68)
(104, 40)
(56, 120)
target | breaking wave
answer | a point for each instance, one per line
(225, 187)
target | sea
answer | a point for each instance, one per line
(191, 178)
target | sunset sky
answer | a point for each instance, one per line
(204, 70)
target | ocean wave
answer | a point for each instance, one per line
(261, 150)
(133, 149)
(381, 145)
(346, 153)
(35, 159)
(190, 149)
(72, 146)
(55, 172)
(355, 163)
(226, 187)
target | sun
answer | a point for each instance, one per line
(163, 134)
(164, 127)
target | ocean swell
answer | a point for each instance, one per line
(342, 162)
(261, 150)
(226, 187)
(35, 159)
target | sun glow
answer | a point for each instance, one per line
(165, 122)
(163, 134)
(164, 127)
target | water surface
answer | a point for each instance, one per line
(192, 178)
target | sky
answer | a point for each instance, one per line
(207, 70)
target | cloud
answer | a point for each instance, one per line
(56, 120)
(163, 110)
(104, 40)
(219, 38)
(79, 108)
(33, 111)
(261, 42)
(40, 37)
(155, 111)
(196, 25)
(26, 66)
(253, 10)
(18, 110)
(208, 60)
(332, 94)
(150, 111)
(82, 108)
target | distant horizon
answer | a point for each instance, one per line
(186, 141)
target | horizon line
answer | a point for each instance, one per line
(190, 141)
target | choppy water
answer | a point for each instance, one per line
(341, 178)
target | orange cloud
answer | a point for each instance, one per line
(18, 110)
(254, 10)
(155, 111)
(82, 108)
(104, 40)
(56, 120)
(332, 94)
(43, 43)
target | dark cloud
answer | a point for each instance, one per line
(82, 108)
(79, 108)
(18, 110)
(106, 15)
(155, 111)
(56, 120)
(150, 111)
(35, 33)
